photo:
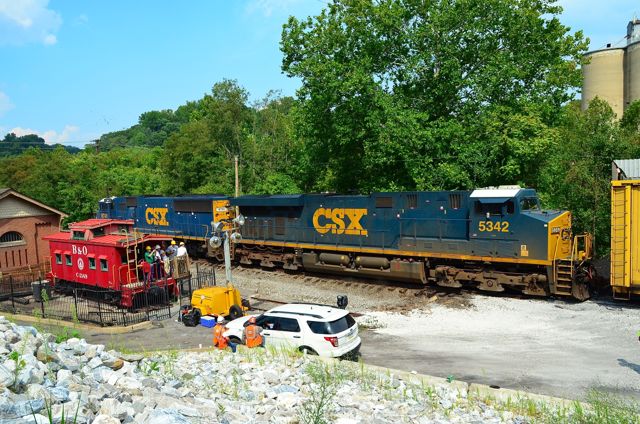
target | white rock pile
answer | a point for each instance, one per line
(42, 381)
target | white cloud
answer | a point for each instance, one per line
(50, 136)
(82, 19)
(50, 39)
(5, 103)
(267, 7)
(28, 21)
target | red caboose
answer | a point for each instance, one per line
(103, 254)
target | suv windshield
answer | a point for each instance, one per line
(333, 327)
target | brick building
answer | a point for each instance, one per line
(23, 223)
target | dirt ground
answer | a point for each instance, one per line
(544, 346)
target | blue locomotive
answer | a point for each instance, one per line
(186, 218)
(493, 238)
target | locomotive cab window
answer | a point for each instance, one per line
(103, 265)
(529, 204)
(510, 207)
(489, 208)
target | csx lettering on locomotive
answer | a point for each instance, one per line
(156, 216)
(333, 220)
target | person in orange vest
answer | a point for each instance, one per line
(219, 340)
(252, 334)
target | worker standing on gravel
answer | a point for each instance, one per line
(252, 334)
(219, 340)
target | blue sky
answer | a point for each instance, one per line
(73, 70)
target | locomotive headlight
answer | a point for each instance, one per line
(215, 242)
(239, 219)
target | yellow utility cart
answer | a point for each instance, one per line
(219, 300)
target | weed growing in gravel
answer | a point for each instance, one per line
(322, 391)
(600, 408)
(608, 408)
(170, 362)
(48, 405)
(20, 364)
(66, 334)
(148, 366)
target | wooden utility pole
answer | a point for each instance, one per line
(237, 181)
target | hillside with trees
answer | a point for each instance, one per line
(386, 102)
(12, 144)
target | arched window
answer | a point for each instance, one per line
(11, 238)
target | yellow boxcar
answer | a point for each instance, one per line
(625, 238)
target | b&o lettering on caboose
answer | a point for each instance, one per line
(156, 216)
(79, 250)
(339, 221)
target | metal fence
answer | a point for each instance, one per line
(94, 306)
(203, 277)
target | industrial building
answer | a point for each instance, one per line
(613, 73)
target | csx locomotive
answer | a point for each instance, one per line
(491, 238)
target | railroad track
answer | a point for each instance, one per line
(401, 287)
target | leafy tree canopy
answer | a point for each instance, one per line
(417, 91)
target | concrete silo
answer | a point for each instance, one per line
(604, 78)
(613, 74)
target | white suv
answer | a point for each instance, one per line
(316, 329)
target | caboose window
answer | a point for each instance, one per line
(67, 259)
(92, 263)
(78, 235)
(103, 265)
(58, 258)
(98, 232)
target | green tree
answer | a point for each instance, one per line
(577, 174)
(405, 94)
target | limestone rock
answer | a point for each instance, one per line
(105, 419)
(7, 377)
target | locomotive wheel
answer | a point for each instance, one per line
(580, 291)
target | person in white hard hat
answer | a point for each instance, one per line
(182, 250)
(219, 340)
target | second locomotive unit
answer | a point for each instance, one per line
(492, 238)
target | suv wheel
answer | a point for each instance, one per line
(308, 351)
